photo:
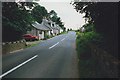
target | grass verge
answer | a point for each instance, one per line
(31, 44)
(65, 32)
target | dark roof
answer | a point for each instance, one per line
(48, 26)
(40, 26)
(55, 26)
(45, 26)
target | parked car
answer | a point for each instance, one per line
(29, 37)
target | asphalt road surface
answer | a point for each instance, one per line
(52, 58)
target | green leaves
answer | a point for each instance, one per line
(84, 39)
(38, 13)
(16, 19)
(89, 27)
(20, 16)
(54, 17)
(17, 16)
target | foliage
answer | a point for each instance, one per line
(65, 32)
(54, 17)
(52, 13)
(84, 39)
(102, 21)
(88, 27)
(16, 15)
(88, 65)
(104, 16)
(38, 13)
(17, 18)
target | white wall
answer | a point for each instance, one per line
(49, 33)
(41, 36)
(61, 30)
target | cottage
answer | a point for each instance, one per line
(55, 28)
(45, 23)
(47, 27)
(60, 30)
(39, 30)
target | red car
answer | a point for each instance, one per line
(29, 37)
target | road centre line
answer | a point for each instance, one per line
(63, 39)
(11, 70)
(54, 45)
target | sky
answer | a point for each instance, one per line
(67, 13)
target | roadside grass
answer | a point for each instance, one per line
(65, 32)
(88, 67)
(32, 44)
(28, 46)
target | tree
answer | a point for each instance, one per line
(52, 13)
(16, 19)
(88, 27)
(53, 16)
(104, 17)
(38, 13)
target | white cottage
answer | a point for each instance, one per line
(46, 27)
(59, 29)
(39, 30)
(55, 28)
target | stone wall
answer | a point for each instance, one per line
(8, 47)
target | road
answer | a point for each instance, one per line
(52, 58)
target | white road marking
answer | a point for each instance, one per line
(18, 66)
(54, 45)
(63, 39)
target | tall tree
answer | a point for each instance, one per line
(16, 19)
(54, 17)
(105, 18)
(52, 13)
(39, 12)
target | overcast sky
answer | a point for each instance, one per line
(65, 10)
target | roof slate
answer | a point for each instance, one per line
(45, 26)
(40, 26)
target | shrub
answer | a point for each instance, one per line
(88, 66)
(83, 40)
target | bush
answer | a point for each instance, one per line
(83, 40)
(87, 64)
(88, 37)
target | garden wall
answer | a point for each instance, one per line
(8, 47)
